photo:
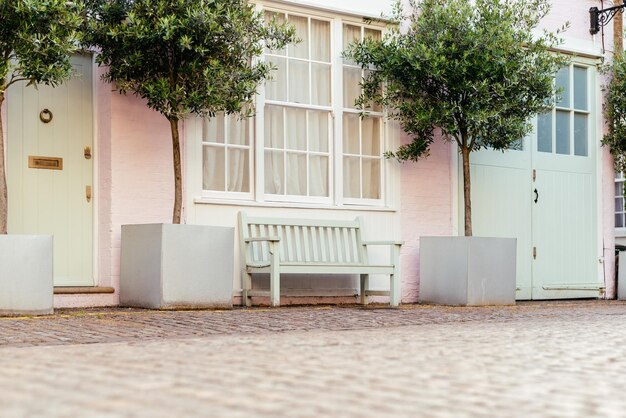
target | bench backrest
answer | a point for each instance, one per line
(303, 240)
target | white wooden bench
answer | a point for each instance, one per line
(278, 245)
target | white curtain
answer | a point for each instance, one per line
(274, 159)
(238, 166)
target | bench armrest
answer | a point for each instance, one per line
(383, 242)
(262, 239)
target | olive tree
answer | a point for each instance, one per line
(474, 71)
(37, 39)
(184, 57)
(615, 111)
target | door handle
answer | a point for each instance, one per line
(88, 193)
(536, 195)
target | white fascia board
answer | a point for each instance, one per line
(373, 9)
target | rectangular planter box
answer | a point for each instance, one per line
(26, 275)
(168, 266)
(468, 271)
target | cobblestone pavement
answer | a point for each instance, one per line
(534, 359)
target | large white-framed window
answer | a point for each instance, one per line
(308, 143)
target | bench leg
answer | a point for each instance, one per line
(365, 285)
(274, 278)
(394, 290)
(247, 285)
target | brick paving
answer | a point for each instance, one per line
(554, 359)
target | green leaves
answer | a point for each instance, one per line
(615, 110)
(37, 39)
(473, 69)
(184, 56)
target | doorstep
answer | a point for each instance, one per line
(82, 290)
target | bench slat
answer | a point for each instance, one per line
(303, 222)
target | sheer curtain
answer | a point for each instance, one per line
(296, 138)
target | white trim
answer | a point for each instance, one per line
(328, 11)
(287, 204)
(95, 177)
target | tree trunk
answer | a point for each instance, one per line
(465, 153)
(178, 180)
(4, 203)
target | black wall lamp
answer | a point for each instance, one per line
(598, 18)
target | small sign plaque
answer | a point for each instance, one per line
(46, 163)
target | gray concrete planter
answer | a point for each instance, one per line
(168, 266)
(26, 275)
(467, 271)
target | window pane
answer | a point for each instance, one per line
(320, 40)
(371, 178)
(580, 134)
(280, 18)
(562, 85)
(274, 128)
(276, 87)
(371, 136)
(373, 33)
(238, 130)
(213, 129)
(296, 129)
(274, 169)
(350, 34)
(238, 170)
(619, 204)
(318, 175)
(213, 168)
(318, 131)
(299, 81)
(351, 89)
(580, 88)
(351, 134)
(544, 132)
(619, 189)
(373, 106)
(321, 84)
(300, 49)
(296, 174)
(351, 177)
(562, 132)
(619, 220)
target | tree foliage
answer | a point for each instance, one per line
(37, 39)
(474, 69)
(615, 111)
(184, 56)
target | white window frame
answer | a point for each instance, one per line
(217, 194)
(336, 110)
(620, 231)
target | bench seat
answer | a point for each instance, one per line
(305, 246)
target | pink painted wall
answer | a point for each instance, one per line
(425, 209)
(142, 180)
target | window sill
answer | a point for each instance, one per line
(620, 232)
(226, 202)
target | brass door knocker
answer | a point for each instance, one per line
(45, 116)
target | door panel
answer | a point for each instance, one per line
(564, 231)
(53, 201)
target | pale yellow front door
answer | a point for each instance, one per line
(50, 169)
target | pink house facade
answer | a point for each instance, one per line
(308, 155)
